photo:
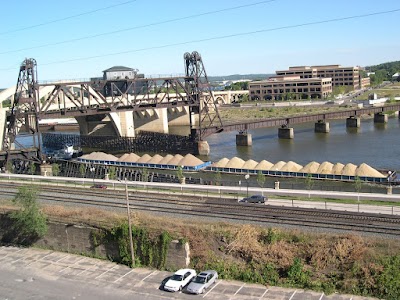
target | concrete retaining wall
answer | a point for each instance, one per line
(78, 239)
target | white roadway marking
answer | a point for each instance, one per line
(39, 259)
(62, 258)
(13, 253)
(239, 289)
(123, 276)
(105, 272)
(292, 295)
(148, 275)
(56, 262)
(146, 295)
(262, 296)
(14, 261)
(321, 296)
(67, 267)
(212, 288)
(87, 269)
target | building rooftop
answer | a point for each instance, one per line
(283, 78)
(118, 68)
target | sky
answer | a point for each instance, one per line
(79, 39)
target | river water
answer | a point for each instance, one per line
(378, 145)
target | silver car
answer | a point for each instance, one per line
(202, 282)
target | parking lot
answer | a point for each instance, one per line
(138, 283)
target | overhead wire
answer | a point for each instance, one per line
(66, 18)
(223, 37)
(229, 36)
(140, 26)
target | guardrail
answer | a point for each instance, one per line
(236, 191)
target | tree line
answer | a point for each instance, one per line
(383, 72)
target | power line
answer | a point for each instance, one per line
(223, 37)
(140, 26)
(230, 36)
(66, 18)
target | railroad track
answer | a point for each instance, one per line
(221, 208)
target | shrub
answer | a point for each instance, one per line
(29, 222)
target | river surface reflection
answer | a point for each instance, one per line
(375, 144)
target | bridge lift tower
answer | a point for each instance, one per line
(24, 112)
(197, 83)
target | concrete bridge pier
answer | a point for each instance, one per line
(380, 118)
(203, 148)
(244, 139)
(3, 123)
(322, 127)
(353, 122)
(285, 132)
(179, 116)
(152, 120)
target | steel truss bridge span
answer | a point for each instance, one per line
(276, 122)
(101, 96)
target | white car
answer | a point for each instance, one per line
(179, 280)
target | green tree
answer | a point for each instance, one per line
(9, 167)
(238, 86)
(244, 98)
(379, 77)
(112, 173)
(309, 184)
(297, 276)
(338, 90)
(32, 168)
(82, 170)
(145, 174)
(388, 280)
(55, 168)
(260, 179)
(358, 186)
(179, 173)
(29, 222)
(217, 178)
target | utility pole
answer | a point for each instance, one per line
(129, 224)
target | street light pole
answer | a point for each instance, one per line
(247, 176)
(129, 224)
(92, 169)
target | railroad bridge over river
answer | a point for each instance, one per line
(118, 106)
(286, 131)
(125, 106)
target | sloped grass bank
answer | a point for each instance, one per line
(344, 263)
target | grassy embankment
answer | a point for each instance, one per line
(345, 263)
(237, 114)
(392, 90)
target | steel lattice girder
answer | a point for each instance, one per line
(86, 98)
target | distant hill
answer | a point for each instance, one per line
(383, 72)
(239, 77)
(388, 67)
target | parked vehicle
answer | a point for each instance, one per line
(202, 282)
(179, 280)
(254, 199)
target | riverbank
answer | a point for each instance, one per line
(343, 263)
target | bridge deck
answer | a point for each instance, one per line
(276, 122)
